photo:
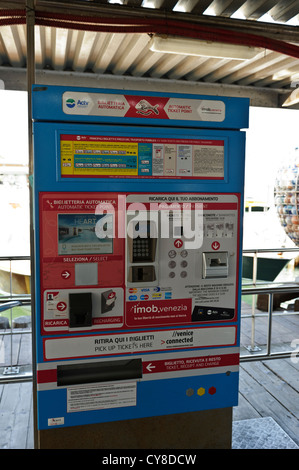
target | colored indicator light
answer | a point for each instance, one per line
(201, 391)
(212, 391)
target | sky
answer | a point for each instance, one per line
(272, 136)
(14, 198)
(13, 127)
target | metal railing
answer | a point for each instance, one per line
(263, 288)
(256, 251)
(10, 371)
(253, 348)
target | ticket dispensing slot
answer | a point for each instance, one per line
(99, 372)
(215, 265)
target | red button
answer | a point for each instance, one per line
(212, 390)
(178, 243)
(215, 246)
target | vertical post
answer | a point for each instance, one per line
(254, 277)
(30, 22)
(270, 311)
(11, 326)
(10, 370)
(252, 347)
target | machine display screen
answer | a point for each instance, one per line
(77, 234)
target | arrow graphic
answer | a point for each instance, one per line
(178, 243)
(65, 274)
(149, 367)
(61, 306)
(216, 246)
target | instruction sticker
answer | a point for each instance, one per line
(112, 156)
(100, 396)
(127, 343)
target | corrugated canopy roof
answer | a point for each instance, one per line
(112, 37)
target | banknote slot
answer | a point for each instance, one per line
(215, 265)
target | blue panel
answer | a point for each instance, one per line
(178, 388)
(47, 161)
(156, 399)
(47, 106)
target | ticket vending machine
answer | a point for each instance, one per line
(138, 228)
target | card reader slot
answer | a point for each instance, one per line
(80, 306)
(74, 374)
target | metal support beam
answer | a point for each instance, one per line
(95, 9)
(30, 74)
(15, 79)
(274, 31)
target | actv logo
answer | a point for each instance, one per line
(70, 103)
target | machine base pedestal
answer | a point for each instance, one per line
(210, 429)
